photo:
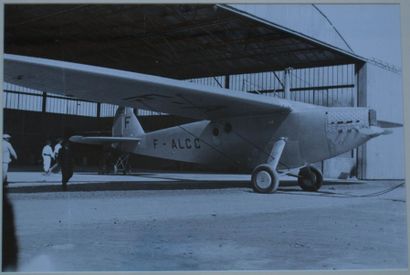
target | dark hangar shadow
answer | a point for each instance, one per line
(124, 186)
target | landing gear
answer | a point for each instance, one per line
(264, 179)
(310, 179)
(121, 165)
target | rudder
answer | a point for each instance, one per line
(126, 123)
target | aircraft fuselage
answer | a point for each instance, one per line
(244, 142)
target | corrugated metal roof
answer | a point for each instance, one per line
(178, 41)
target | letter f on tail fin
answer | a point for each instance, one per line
(126, 123)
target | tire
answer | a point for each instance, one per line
(310, 179)
(264, 179)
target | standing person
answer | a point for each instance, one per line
(66, 161)
(57, 149)
(47, 155)
(8, 153)
(9, 238)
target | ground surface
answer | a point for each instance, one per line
(204, 222)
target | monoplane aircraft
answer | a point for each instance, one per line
(266, 136)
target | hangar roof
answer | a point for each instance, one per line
(173, 40)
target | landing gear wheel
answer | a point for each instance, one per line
(264, 179)
(310, 179)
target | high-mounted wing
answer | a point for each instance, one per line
(137, 90)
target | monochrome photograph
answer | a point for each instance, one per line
(203, 137)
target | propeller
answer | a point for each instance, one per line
(383, 128)
(388, 124)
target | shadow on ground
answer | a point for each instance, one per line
(151, 185)
(123, 186)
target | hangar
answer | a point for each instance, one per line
(252, 48)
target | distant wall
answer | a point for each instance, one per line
(30, 130)
(385, 154)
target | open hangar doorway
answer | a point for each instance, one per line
(244, 51)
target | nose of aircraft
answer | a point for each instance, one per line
(378, 127)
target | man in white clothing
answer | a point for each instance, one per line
(47, 154)
(57, 149)
(8, 153)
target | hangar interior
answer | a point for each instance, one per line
(249, 48)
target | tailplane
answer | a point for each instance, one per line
(126, 128)
(126, 123)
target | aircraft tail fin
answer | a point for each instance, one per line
(126, 123)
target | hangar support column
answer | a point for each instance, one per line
(44, 103)
(287, 82)
(227, 79)
(98, 109)
(361, 101)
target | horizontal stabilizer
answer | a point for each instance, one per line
(102, 140)
(388, 124)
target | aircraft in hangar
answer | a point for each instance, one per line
(266, 135)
